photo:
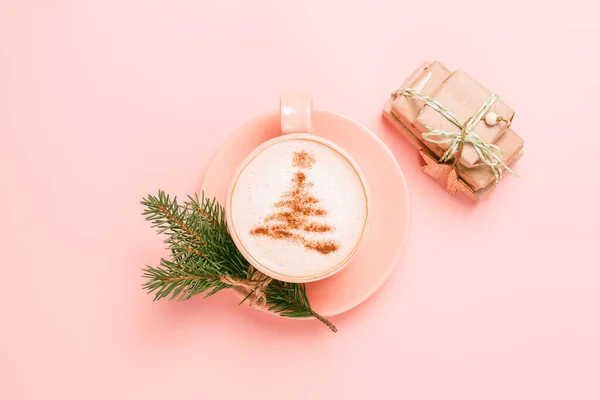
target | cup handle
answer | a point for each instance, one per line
(296, 113)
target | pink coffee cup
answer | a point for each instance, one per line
(296, 124)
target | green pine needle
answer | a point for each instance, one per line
(202, 252)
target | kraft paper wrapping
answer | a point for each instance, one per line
(463, 96)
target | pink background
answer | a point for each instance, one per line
(102, 102)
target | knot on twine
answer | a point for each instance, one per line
(489, 154)
(254, 286)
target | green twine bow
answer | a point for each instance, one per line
(485, 151)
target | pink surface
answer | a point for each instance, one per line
(102, 102)
(389, 208)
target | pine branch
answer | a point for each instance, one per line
(203, 252)
(292, 296)
(179, 283)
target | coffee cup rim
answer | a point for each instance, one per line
(247, 254)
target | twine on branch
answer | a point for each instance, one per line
(254, 286)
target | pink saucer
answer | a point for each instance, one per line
(389, 219)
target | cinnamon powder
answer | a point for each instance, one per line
(324, 247)
(297, 206)
(303, 160)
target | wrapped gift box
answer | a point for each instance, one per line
(463, 97)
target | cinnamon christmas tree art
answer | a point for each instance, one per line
(298, 212)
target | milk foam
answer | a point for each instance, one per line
(336, 185)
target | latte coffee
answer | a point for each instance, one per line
(298, 208)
